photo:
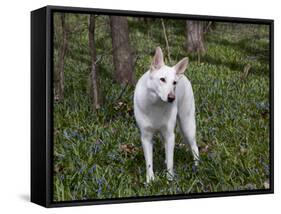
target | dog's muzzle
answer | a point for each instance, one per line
(171, 97)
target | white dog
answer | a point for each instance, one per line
(163, 95)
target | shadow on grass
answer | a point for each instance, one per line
(235, 66)
(252, 54)
(261, 51)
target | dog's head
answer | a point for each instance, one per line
(163, 79)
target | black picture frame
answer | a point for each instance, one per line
(42, 102)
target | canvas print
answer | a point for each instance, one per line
(156, 106)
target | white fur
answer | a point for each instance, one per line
(154, 113)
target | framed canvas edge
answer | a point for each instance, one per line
(38, 105)
(49, 104)
(159, 198)
(49, 112)
(157, 14)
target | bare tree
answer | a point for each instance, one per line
(94, 86)
(61, 57)
(166, 40)
(195, 37)
(122, 54)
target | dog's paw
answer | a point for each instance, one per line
(170, 176)
(150, 178)
(196, 163)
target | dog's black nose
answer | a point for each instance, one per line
(171, 97)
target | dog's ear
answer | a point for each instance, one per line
(181, 66)
(158, 60)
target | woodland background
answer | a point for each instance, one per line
(97, 150)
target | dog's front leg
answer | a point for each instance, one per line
(169, 138)
(146, 138)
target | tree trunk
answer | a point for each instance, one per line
(61, 58)
(195, 37)
(166, 40)
(122, 54)
(94, 86)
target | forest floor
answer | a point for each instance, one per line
(99, 155)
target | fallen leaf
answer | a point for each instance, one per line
(128, 148)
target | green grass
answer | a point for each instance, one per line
(99, 155)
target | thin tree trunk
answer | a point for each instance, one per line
(122, 54)
(61, 58)
(166, 40)
(94, 86)
(195, 37)
(207, 27)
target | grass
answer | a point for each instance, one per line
(99, 155)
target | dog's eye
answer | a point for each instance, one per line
(174, 83)
(163, 79)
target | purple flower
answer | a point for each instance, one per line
(82, 169)
(92, 169)
(100, 181)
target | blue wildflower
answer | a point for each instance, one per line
(92, 169)
(100, 181)
(82, 169)
(61, 177)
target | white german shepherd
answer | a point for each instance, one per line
(163, 95)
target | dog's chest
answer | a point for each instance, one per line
(161, 116)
